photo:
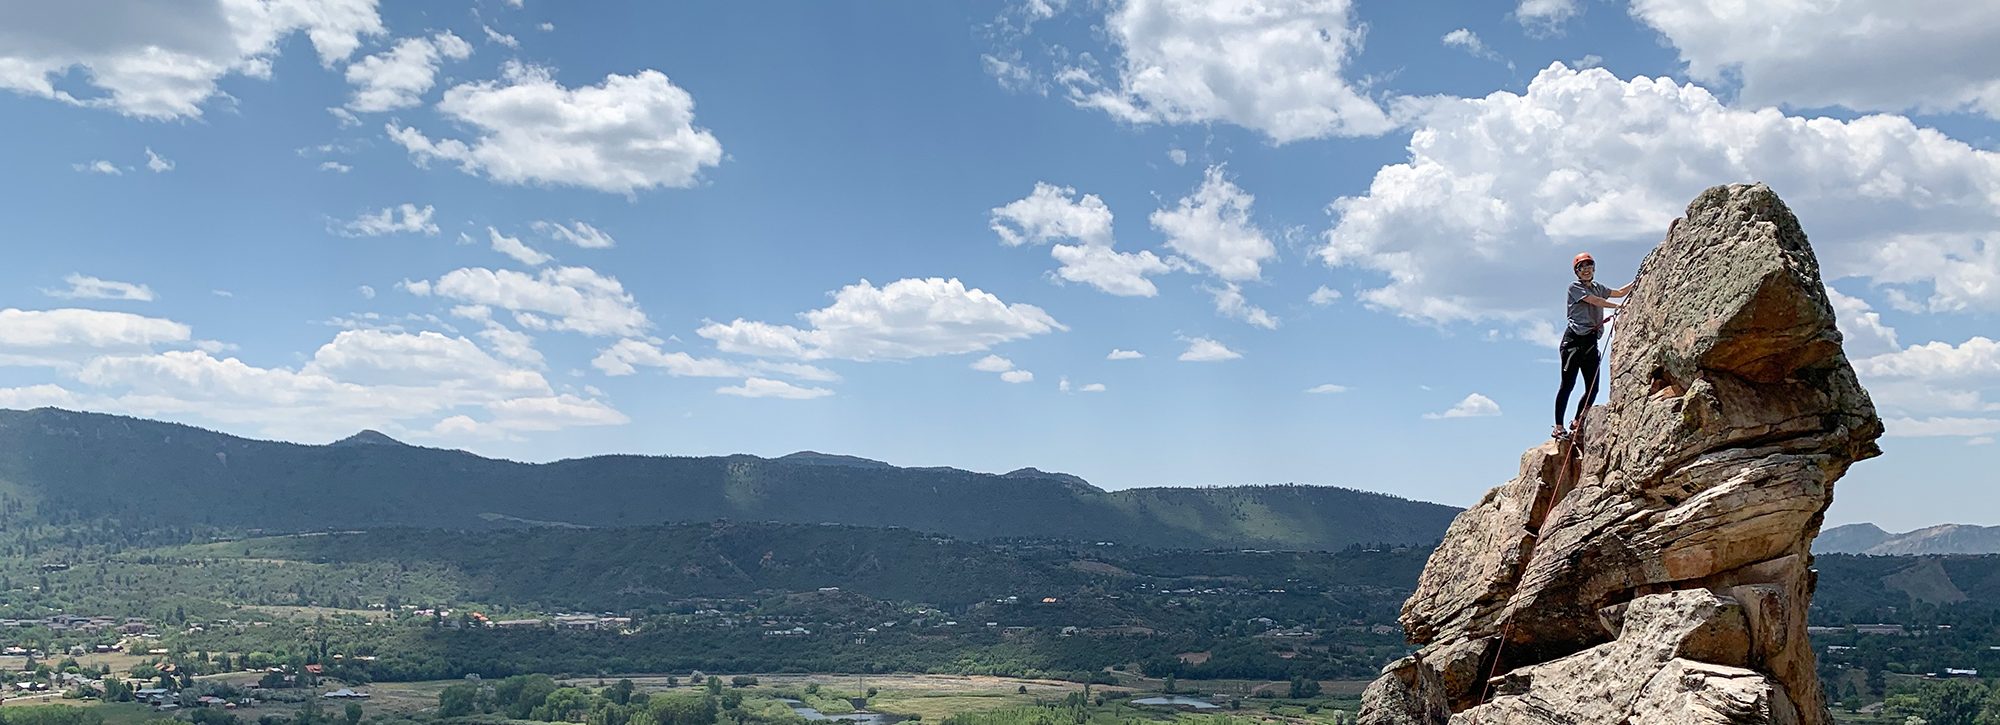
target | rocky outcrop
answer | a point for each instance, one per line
(1658, 570)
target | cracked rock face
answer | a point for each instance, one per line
(1661, 571)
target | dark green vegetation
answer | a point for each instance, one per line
(1945, 617)
(1894, 588)
(143, 480)
(727, 597)
(50, 715)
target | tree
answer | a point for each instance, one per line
(521, 694)
(1303, 688)
(620, 693)
(212, 716)
(564, 705)
(714, 685)
(1951, 702)
(458, 699)
(353, 713)
(310, 712)
(1170, 684)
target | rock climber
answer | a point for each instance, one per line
(1587, 302)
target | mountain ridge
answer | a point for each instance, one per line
(1869, 539)
(159, 474)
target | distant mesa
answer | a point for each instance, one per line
(369, 437)
(1941, 539)
(817, 458)
(1050, 475)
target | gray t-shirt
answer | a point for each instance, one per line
(1584, 317)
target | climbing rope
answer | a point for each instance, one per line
(1571, 450)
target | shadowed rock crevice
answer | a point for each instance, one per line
(1660, 572)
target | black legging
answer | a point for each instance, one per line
(1579, 358)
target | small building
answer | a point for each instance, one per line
(1955, 672)
(1889, 629)
(517, 624)
(345, 694)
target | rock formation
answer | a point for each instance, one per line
(1658, 570)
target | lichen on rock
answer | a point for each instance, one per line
(1659, 569)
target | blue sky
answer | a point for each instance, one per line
(919, 231)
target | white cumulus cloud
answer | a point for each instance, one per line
(993, 364)
(626, 357)
(1212, 227)
(576, 299)
(513, 247)
(402, 218)
(1326, 389)
(162, 60)
(1055, 213)
(84, 287)
(1928, 55)
(1976, 357)
(1202, 349)
(627, 134)
(1473, 406)
(361, 379)
(495, 36)
(1117, 354)
(1546, 15)
(1278, 67)
(908, 318)
(399, 77)
(156, 163)
(1230, 303)
(65, 337)
(99, 166)
(767, 388)
(1861, 326)
(1500, 191)
(578, 233)
(1051, 213)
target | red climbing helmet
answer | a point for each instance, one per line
(1580, 259)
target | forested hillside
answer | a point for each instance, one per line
(63, 469)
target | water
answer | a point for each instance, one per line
(1178, 701)
(858, 718)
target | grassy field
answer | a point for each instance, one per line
(118, 661)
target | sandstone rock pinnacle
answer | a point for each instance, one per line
(1658, 571)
